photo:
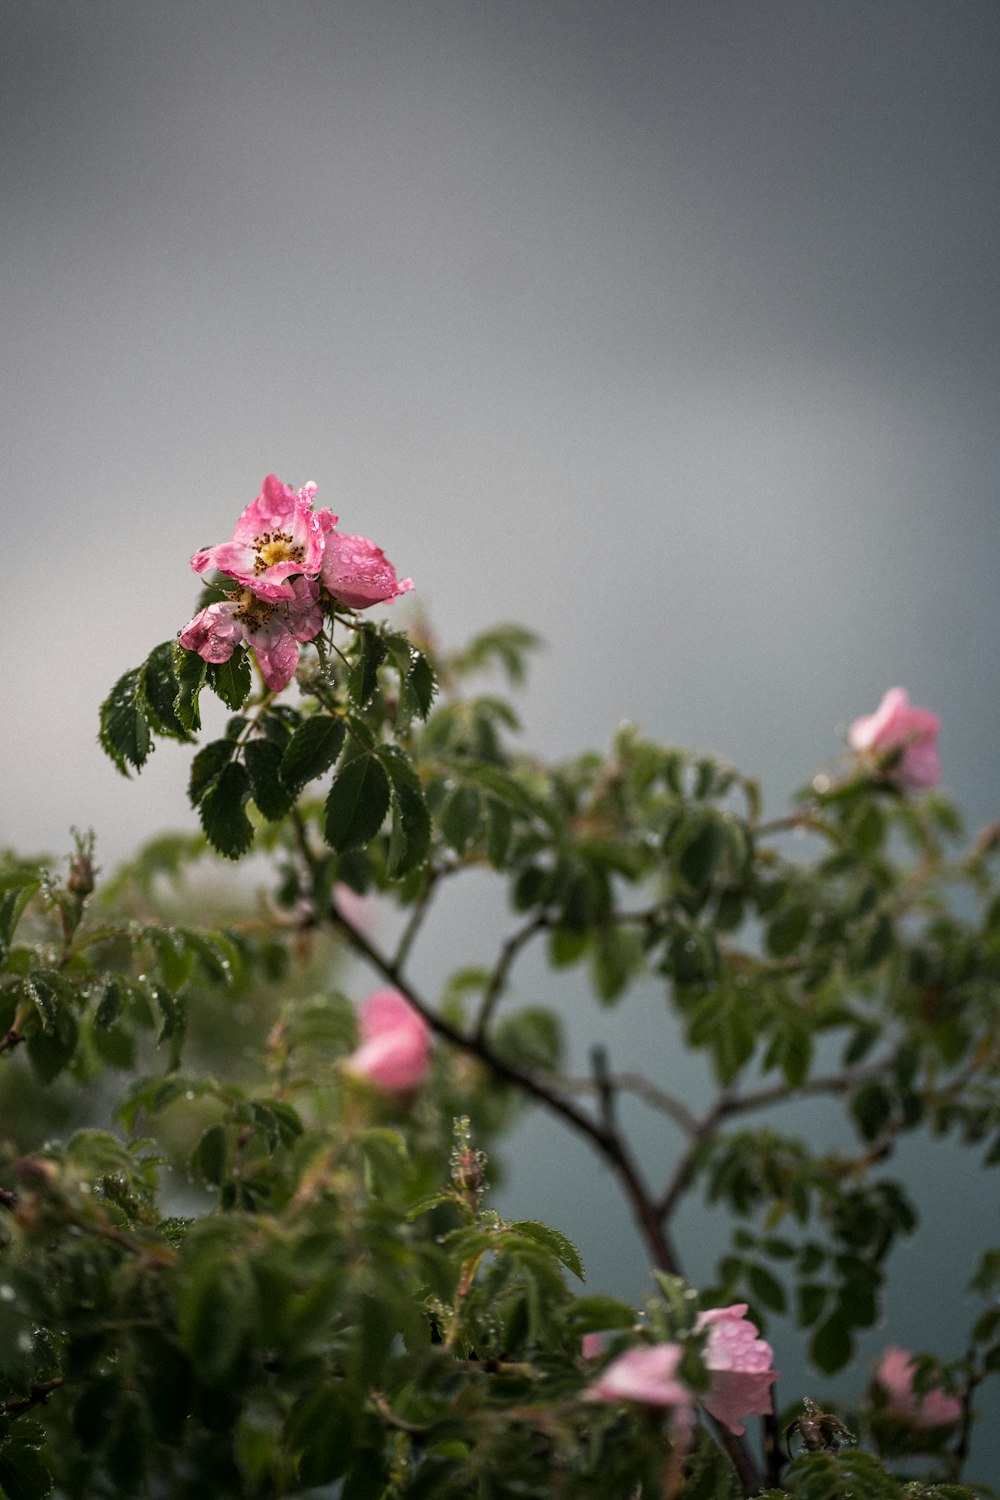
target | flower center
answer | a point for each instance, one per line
(275, 547)
(253, 612)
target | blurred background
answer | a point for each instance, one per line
(670, 329)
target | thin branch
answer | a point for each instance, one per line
(498, 979)
(412, 928)
(10, 1040)
(635, 1083)
(37, 1396)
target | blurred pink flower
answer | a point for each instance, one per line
(739, 1362)
(279, 534)
(932, 1408)
(592, 1345)
(272, 629)
(358, 573)
(648, 1375)
(902, 739)
(395, 1049)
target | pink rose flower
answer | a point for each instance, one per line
(739, 1362)
(646, 1374)
(902, 739)
(279, 534)
(932, 1408)
(271, 628)
(592, 1345)
(358, 573)
(395, 1049)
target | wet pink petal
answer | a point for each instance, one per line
(739, 1362)
(271, 628)
(277, 536)
(933, 1408)
(902, 739)
(358, 573)
(395, 1049)
(647, 1374)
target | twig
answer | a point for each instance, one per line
(37, 1396)
(498, 979)
(635, 1083)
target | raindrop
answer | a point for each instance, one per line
(7, 1292)
(24, 1343)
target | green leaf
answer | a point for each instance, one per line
(312, 749)
(787, 930)
(410, 837)
(459, 817)
(362, 679)
(871, 1109)
(230, 680)
(263, 760)
(766, 1288)
(563, 1249)
(811, 1298)
(124, 732)
(357, 803)
(23, 1476)
(208, 1159)
(157, 691)
(206, 768)
(110, 1007)
(18, 892)
(699, 849)
(189, 672)
(226, 825)
(831, 1346)
(419, 688)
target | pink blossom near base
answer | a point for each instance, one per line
(739, 1363)
(931, 1408)
(395, 1050)
(278, 535)
(903, 740)
(647, 1375)
(358, 573)
(592, 1345)
(271, 628)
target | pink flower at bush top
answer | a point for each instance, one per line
(279, 534)
(272, 629)
(932, 1408)
(395, 1049)
(358, 573)
(902, 738)
(648, 1375)
(739, 1362)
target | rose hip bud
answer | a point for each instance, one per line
(468, 1171)
(80, 880)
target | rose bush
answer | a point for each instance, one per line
(229, 1268)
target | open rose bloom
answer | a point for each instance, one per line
(739, 1363)
(395, 1051)
(929, 1409)
(902, 740)
(279, 555)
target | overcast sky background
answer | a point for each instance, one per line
(670, 329)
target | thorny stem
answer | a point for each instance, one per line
(37, 1396)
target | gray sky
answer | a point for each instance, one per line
(670, 329)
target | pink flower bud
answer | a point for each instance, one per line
(395, 1044)
(902, 740)
(931, 1408)
(358, 574)
(739, 1362)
